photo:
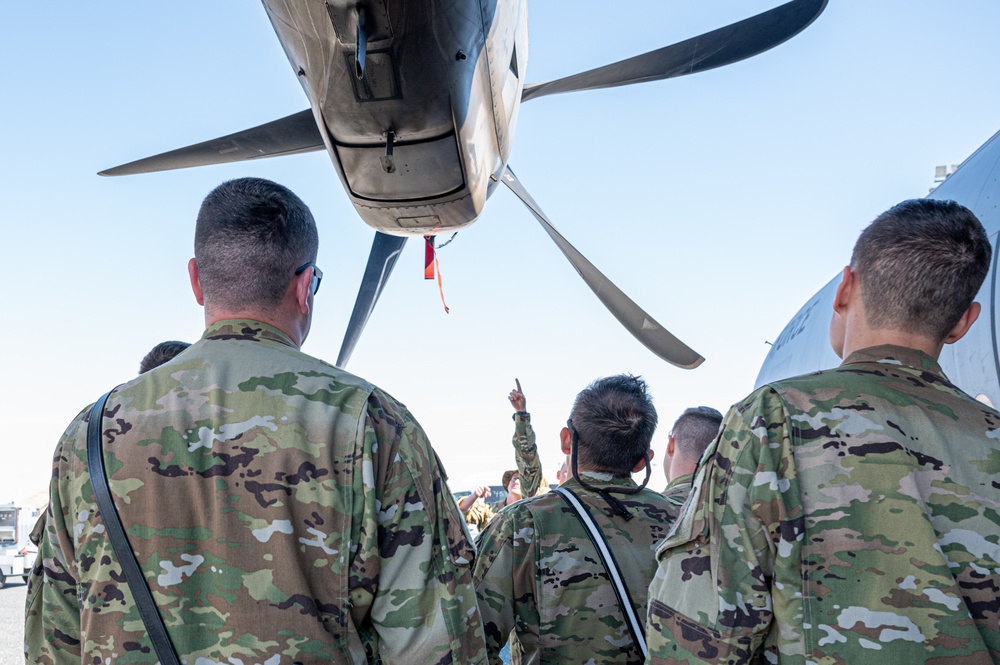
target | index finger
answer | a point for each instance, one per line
(518, 385)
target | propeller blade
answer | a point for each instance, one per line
(289, 135)
(642, 326)
(713, 49)
(381, 261)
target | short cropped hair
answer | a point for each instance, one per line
(251, 236)
(695, 429)
(613, 420)
(920, 265)
(160, 354)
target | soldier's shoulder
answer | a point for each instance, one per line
(382, 400)
(769, 395)
(312, 367)
(667, 496)
(792, 393)
(522, 510)
(76, 430)
(272, 366)
(543, 501)
(656, 505)
(873, 384)
(504, 521)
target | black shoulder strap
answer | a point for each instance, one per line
(119, 541)
(617, 581)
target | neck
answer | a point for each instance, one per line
(865, 338)
(859, 333)
(680, 466)
(592, 472)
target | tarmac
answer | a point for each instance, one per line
(12, 615)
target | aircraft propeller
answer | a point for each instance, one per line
(290, 135)
(301, 132)
(381, 260)
(643, 327)
(298, 132)
(386, 249)
(723, 46)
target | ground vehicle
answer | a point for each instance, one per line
(17, 553)
(497, 494)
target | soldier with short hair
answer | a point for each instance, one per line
(161, 353)
(850, 515)
(282, 510)
(693, 430)
(539, 574)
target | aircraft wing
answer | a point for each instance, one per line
(292, 134)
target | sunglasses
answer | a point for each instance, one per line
(317, 275)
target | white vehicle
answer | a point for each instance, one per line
(17, 552)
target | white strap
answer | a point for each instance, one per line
(597, 537)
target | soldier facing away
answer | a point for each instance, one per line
(161, 353)
(850, 515)
(693, 430)
(282, 510)
(539, 574)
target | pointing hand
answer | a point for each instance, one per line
(517, 399)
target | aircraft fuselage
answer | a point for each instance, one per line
(422, 138)
(972, 363)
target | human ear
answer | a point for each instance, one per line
(964, 323)
(303, 289)
(565, 440)
(646, 459)
(195, 281)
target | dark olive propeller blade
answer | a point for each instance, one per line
(287, 136)
(642, 326)
(713, 49)
(381, 261)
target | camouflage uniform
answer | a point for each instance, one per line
(282, 511)
(478, 516)
(538, 573)
(529, 466)
(676, 493)
(846, 516)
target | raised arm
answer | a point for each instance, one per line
(467, 501)
(529, 465)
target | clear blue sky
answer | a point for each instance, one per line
(720, 202)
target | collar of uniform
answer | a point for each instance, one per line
(684, 479)
(246, 329)
(601, 481)
(900, 356)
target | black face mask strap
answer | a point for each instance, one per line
(649, 472)
(617, 507)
